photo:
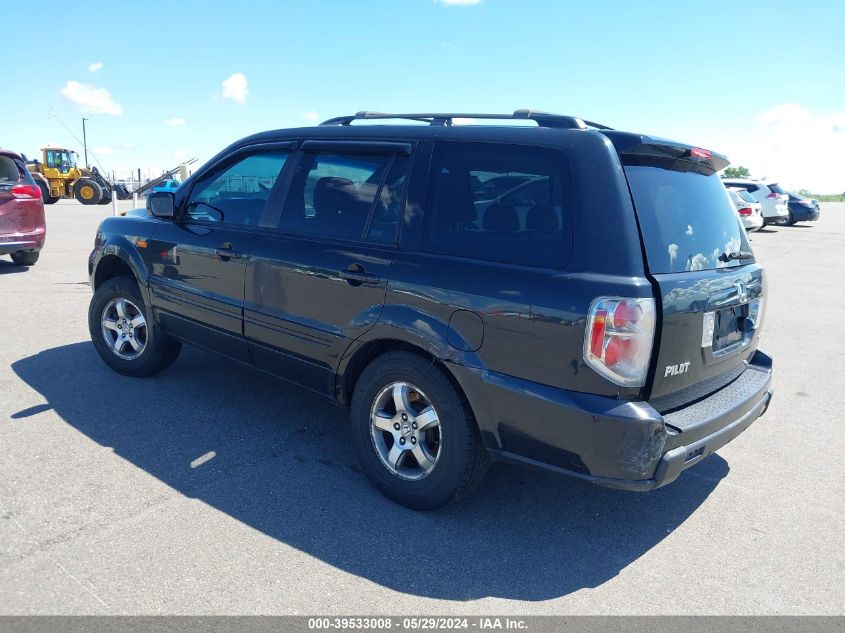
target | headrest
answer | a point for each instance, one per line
(501, 218)
(332, 194)
(542, 219)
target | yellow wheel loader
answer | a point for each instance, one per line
(58, 176)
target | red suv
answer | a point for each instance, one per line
(22, 226)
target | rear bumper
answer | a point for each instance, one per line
(610, 442)
(22, 242)
(801, 213)
(752, 223)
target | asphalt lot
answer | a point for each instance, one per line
(212, 488)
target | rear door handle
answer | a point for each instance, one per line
(226, 252)
(355, 275)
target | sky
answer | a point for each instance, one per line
(160, 82)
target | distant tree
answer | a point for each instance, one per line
(737, 172)
(805, 192)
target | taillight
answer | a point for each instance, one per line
(26, 191)
(774, 195)
(697, 152)
(619, 337)
(745, 211)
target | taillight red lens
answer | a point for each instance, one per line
(773, 195)
(620, 334)
(697, 152)
(745, 211)
(597, 332)
(26, 191)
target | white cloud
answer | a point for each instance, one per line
(311, 117)
(794, 146)
(458, 2)
(95, 67)
(175, 121)
(235, 88)
(91, 99)
(103, 149)
(180, 153)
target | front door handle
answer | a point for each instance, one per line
(355, 275)
(226, 252)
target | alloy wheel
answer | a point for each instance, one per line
(124, 329)
(405, 430)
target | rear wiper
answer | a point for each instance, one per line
(726, 257)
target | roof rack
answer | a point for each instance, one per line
(543, 119)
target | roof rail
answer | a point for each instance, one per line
(543, 119)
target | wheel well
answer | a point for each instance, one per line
(110, 267)
(371, 351)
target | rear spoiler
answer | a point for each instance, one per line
(640, 149)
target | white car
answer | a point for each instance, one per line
(749, 210)
(775, 202)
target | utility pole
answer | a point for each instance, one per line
(84, 141)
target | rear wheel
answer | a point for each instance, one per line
(45, 193)
(87, 191)
(791, 219)
(25, 258)
(123, 332)
(414, 433)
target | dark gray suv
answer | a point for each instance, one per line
(564, 295)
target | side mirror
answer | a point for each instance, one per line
(162, 204)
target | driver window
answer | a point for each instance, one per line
(239, 193)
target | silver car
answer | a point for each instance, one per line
(749, 210)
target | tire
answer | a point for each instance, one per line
(87, 191)
(460, 460)
(45, 192)
(157, 350)
(790, 221)
(25, 258)
(107, 195)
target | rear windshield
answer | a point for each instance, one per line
(8, 170)
(687, 219)
(744, 195)
(777, 188)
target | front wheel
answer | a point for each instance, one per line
(414, 433)
(123, 332)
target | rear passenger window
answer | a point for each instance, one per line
(9, 171)
(239, 193)
(505, 203)
(347, 196)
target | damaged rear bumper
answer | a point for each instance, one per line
(610, 442)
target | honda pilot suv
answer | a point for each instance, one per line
(560, 295)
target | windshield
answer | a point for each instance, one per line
(686, 218)
(776, 188)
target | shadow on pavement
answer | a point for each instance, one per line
(7, 268)
(283, 466)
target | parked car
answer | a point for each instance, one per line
(774, 201)
(749, 210)
(606, 326)
(802, 209)
(23, 227)
(165, 185)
